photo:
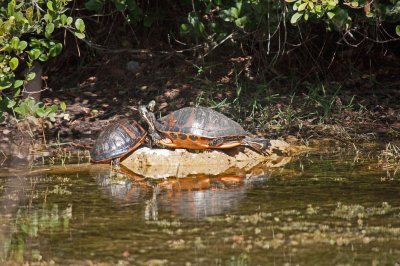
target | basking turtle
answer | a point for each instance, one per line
(117, 140)
(198, 128)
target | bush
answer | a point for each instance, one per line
(27, 35)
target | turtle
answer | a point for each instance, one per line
(198, 128)
(117, 140)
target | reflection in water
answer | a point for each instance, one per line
(191, 197)
(29, 225)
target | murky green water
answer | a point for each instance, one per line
(318, 210)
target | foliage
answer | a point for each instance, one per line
(27, 30)
(30, 109)
(134, 13)
(341, 15)
(216, 19)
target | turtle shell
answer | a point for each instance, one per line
(200, 122)
(116, 140)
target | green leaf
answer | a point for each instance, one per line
(55, 50)
(63, 19)
(22, 45)
(354, 4)
(79, 35)
(49, 30)
(50, 5)
(69, 20)
(4, 84)
(10, 8)
(296, 17)
(17, 92)
(48, 18)
(184, 28)
(94, 5)
(40, 112)
(13, 63)
(14, 42)
(52, 117)
(234, 12)
(53, 108)
(241, 22)
(302, 7)
(80, 25)
(34, 53)
(398, 30)
(18, 83)
(43, 57)
(63, 106)
(11, 103)
(30, 76)
(330, 15)
(29, 14)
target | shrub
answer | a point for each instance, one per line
(27, 35)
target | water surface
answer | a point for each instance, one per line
(322, 209)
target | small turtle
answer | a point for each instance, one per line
(116, 141)
(199, 128)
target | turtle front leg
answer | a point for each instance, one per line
(260, 145)
(154, 137)
(115, 162)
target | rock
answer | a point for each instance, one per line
(132, 66)
(163, 163)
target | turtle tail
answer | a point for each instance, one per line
(260, 145)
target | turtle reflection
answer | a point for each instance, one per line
(190, 197)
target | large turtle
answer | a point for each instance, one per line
(116, 141)
(198, 128)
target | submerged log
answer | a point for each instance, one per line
(163, 163)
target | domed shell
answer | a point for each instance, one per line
(116, 140)
(200, 121)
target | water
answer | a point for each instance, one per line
(329, 209)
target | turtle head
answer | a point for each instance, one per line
(148, 116)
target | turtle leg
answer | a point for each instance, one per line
(155, 138)
(115, 161)
(260, 145)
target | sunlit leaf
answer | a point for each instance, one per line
(14, 42)
(79, 35)
(63, 106)
(80, 25)
(30, 76)
(22, 45)
(50, 5)
(302, 7)
(296, 17)
(13, 63)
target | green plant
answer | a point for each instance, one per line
(37, 112)
(342, 15)
(27, 30)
